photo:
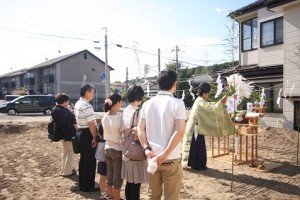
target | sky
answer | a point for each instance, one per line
(35, 30)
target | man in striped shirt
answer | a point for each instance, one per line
(85, 118)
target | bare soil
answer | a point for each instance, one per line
(30, 166)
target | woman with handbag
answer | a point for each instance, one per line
(134, 166)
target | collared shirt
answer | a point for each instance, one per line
(160, 113)
(84, 113)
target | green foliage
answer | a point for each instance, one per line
(255, 96)
(114, 90)
(231, 91)
(123, 95)
(185, 73)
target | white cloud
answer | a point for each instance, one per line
(221, 10)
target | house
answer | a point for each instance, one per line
(65, 74)
(118, 87)
(11, 81)
(270, 56)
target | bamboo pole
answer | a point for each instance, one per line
(298, 145)
(233, 138)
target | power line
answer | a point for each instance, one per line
(42, 26)
(45, 34)
(85, 39)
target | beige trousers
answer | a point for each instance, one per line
(67, 158)
(168, 177)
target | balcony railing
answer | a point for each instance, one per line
(49, 78)
(29, 81)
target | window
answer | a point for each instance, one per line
(38, 100)
(272, 32)
(249, 34)
(85, 56)
(271, 92)
(25, 100)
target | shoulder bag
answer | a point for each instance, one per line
(132, 148)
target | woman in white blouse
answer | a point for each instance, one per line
(112, 126)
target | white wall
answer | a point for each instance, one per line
(291, 70)
(273, 55)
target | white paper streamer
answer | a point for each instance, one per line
(262, 97)
(286, 86)
(292, 89)
(183, 95)
(279, 97)
(191, 89)
(219, 86)
(243, 89)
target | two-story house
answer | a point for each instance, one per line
(65, 74)
(270, 56)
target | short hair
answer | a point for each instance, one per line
(86, 88)
(166, 79)
(60, 98)
(203, 88)
(135, 93)
(115, 98)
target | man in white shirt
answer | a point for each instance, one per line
(160, 131)
(85, 118)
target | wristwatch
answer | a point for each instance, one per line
(147, 148)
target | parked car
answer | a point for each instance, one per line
(10, 97)
(29, 104)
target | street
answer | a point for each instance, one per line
(33, 117)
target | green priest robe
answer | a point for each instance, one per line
(212, 120)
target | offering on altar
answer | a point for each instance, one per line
(249, 107)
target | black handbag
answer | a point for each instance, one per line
(75, 144)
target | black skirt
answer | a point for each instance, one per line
(198, 157)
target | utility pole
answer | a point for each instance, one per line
(177, 66)
(158, 53)
(126, 87)
(177, 58)
(107, 79)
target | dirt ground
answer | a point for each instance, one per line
(30, 166)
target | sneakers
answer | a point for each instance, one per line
(104, 196)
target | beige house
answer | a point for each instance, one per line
(270, 56)
(66, 74)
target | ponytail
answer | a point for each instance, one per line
(111, 101)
